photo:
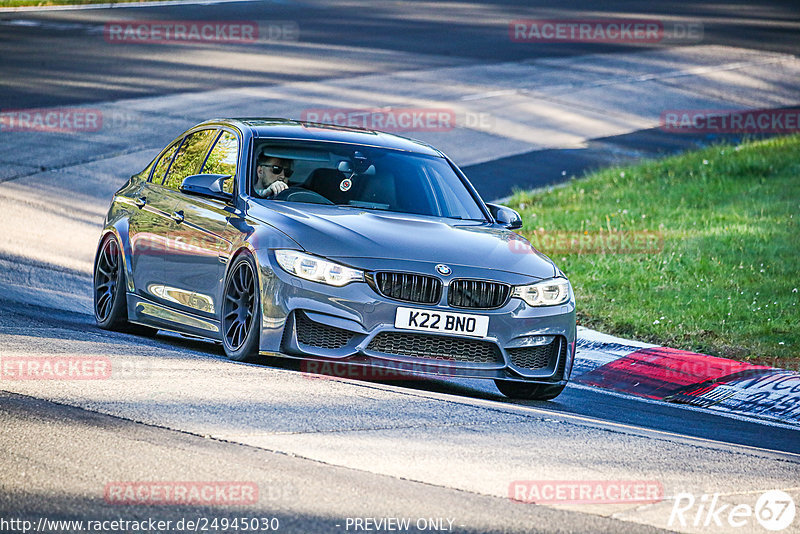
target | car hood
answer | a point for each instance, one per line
(350, 233)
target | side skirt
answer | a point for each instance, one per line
(147, 312)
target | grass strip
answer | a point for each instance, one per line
(699, 251)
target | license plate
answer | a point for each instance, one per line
(444, 322)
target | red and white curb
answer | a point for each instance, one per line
(679, 376)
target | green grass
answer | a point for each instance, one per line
(727, 281)
(38, 3)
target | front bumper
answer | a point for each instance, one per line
(345, 322)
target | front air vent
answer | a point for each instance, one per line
(434, 347)
(541, 356)
(314, 334)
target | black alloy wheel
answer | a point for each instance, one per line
(109, 306)
(240, 310)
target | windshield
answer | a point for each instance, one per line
(362, 177)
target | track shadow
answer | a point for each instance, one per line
(500, 178)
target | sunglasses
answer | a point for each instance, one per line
(277, 169)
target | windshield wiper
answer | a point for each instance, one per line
(465, 219)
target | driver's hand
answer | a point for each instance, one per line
(276, 187)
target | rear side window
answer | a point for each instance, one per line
(189, 157)
(223, 158)
(163, 164)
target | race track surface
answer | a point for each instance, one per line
(321, 450)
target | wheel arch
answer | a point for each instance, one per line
(120, 231)
(248, 249)
(260, 244)
(245, 248)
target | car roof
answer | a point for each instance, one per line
(279, 128)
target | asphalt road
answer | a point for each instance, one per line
(61, 58)
(302, 495)
(324, 450)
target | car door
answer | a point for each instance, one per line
(149, 226)
(202, 242)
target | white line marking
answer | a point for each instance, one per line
(517, 408)
(491, 94)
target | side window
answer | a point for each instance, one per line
(163, 164)
(190, 156)
(223, 159)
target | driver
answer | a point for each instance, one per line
(271, 175)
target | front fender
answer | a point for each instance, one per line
(260, 244)
(117, 225)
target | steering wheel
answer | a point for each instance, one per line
(300, 194)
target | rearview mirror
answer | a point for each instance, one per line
(505, 216)
(206, 185)
(363, 168)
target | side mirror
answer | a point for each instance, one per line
(505, 216)
(206, 185)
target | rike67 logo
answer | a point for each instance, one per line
(774, 510)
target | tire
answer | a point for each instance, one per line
(241, 316)
(521, 390)
(110, 306)
(110, 301)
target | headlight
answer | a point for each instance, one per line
(316, 269)
(545, 293)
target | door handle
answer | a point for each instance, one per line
(140, 202)
(177, 216)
